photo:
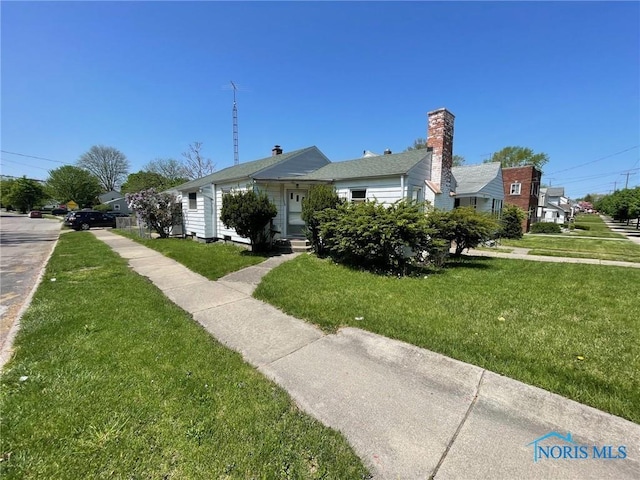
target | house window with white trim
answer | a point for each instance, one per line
(515, 188)
(116, 207)
(358, 196)
(193, 200)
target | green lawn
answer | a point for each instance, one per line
(579, 247)
(569, 328)
(211, 260)
(112, 380)
(597, 228)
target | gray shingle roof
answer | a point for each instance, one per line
(555, 191)
(242, 170)
(378, 166)
(473, 178)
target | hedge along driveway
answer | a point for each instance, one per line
(568, 328)
(112, 380)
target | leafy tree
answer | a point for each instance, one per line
(196, 166)
(463, 226)
(107, 164)
(249, 213)
(375, 237)
(24, 194)
(511, 221)
(170, 168)
(159, 210)
(458, 160)
(5, 189)
(420, 143)
(142, 180)
(621, 204)
(319, 198)
(73, 183)
(518, 157)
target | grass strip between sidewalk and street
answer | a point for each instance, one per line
(211, 260)
(111, 379)
(568, 328)
(578, 247)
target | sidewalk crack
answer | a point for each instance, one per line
(462, 422)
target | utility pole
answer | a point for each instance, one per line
(236, 158)
(627, 173)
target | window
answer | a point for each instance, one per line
(358, 195)
(496, 207)
(515, 188)
(116, 206)
(193, 202)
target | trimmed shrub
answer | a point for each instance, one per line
(249, 213)
(545, 227)
(464, 226)
(378, 238)
(319, 198)
(511, 222)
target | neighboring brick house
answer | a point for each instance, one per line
(522, 188)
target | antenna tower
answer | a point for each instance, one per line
(236, 159)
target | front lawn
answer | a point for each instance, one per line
(569, 328)
(211, 260)
(112, 380)
(578, 247)
(596, 227)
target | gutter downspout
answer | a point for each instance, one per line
(215, 211)
(402, 193)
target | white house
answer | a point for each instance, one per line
(554, 206)
(286, 177)
(479, 186)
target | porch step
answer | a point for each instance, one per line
(291, 245)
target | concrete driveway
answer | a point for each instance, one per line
(25, 245)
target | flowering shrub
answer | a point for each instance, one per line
(159, 210)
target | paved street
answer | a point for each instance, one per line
(25, 244)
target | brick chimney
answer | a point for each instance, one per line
(440, 139)
(277, 150)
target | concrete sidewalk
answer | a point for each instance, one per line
(408, 413)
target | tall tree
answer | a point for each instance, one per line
(107, 164)
(518, 157)
(196, 166)
(142, 180)
(170, 168)
(24, 194)
(420, 143)
(73, 183)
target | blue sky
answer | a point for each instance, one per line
(148, 78)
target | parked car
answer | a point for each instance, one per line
(85, 219)
(35, 214)
(59, 211)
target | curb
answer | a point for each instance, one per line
(7, 348)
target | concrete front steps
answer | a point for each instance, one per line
(294, 245)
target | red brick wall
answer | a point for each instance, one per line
(440, 138)
(528, 199)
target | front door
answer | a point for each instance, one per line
(295, 224)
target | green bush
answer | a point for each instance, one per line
(545, 227)
(378, 238)
(511, 222)
(103, 207)
(319, 198)
(249, 213)
(582, 226)
(464, 226)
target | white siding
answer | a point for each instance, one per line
(198, 222)
(385, 190)
(415, 179)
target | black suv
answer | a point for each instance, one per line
(85, 219)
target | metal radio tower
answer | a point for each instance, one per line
(236, 159)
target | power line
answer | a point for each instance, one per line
(18, 163)
(594, 161)
(32, 156)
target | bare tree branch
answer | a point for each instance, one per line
(195, 165)
(107, 164)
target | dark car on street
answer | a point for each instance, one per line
(86, 219)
